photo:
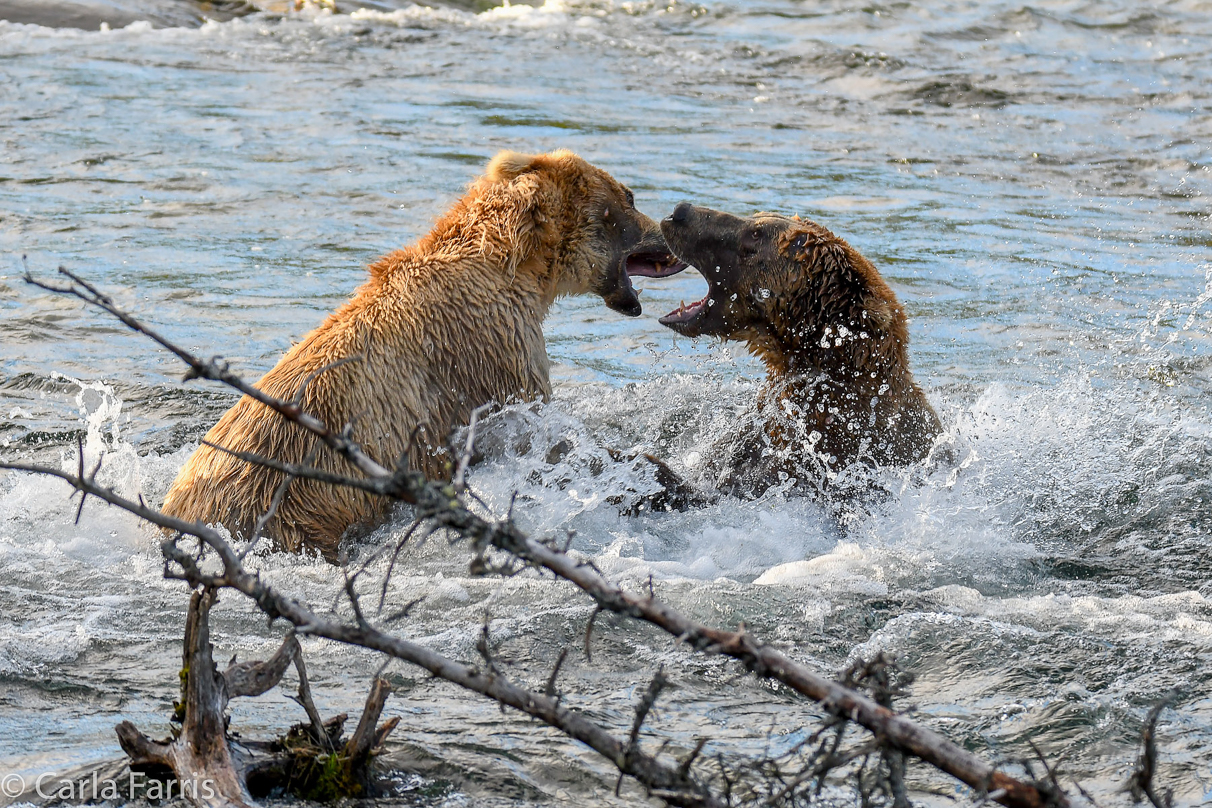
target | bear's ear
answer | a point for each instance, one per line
(879, 311)
(509, 165)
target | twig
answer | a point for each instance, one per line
(274, 503)
(589, 631)
(402, 613)
(550, 689)
(484, 648)
(391, 567)
(1140, 784)
(468, 445)
(315, 374)
(93, 475)
(688, 761)
(315, 722)
(300, 470)
(645, 705)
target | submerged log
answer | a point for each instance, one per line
(212, 772)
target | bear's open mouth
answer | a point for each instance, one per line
(653, 265)
(687, 311)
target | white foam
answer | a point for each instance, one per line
(412, 14)
(950, 531)
(846, 564)
(937, 521)
(75, 577)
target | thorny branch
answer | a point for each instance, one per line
(880, 676)
(216, 369)
(440, 504)
(675, 787)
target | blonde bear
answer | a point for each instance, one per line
(441, 328)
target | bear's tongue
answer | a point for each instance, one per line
(653, 265)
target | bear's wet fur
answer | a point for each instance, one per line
(831, 333)
(440, 328)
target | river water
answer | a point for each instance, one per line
(1032, 180)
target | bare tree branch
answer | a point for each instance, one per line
(441, 504)
(468, 445)
(315, 723)
(255, 678)
(651, 694)
(550, 688)
(214, 370)
(677, 788)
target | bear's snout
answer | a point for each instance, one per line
(681, 213)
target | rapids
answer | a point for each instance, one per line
(1031, 179)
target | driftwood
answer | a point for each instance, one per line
(213, 772)
(201, 753)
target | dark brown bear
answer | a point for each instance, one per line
(831, 333)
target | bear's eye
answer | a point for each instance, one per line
(751, 238)
(630, 197)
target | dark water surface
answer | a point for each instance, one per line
(1031, 179)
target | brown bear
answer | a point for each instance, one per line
(440, 328)
(833, 338)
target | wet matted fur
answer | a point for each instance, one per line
(440, 328)
(831, 333)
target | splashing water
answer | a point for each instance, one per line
(1031, 181)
